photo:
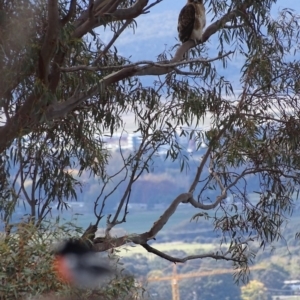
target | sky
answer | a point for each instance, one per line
(157, 31)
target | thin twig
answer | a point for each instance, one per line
(145, 63)
(116, 35)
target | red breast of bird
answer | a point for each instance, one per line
(76, 264)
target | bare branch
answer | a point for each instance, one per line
(98, 4)
(190, 257)
(146, 236)
(110, 7)
(146, 63)
(70, 14)
(137, 161)
(107, 17)
(164, 218)
(215, 175)
(116, 35)
(224, 189)
(91, 9)
(23, 179)
(146, 9)
(129, 13)
(50, 41)
(200, 169)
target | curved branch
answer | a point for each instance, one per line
(120, 14)
(143, 238)
(164, 218)
(190, 257)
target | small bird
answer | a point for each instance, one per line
(76, 263)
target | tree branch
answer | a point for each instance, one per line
(146, 9)
(70, 14)
(145, 63)
(50, 41)
(164, 218)
(118, 15)
(116, 35)
(143, 238)
(98, 4)
(109, 7)
(129, 13)
(10, 130)
(91, 9)
(190, 257)
(224, 189)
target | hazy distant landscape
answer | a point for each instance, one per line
(182, 236)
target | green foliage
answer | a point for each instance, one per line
(62, 88)
(26, 259)
(254, 290)
(27, 266)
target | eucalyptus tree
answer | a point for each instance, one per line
(62, 87)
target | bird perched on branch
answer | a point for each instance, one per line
(76, 263)
(191, 21)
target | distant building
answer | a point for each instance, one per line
(73, 206)
(294, 285)
(285, 297)
(132, 141)
(292, 293)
